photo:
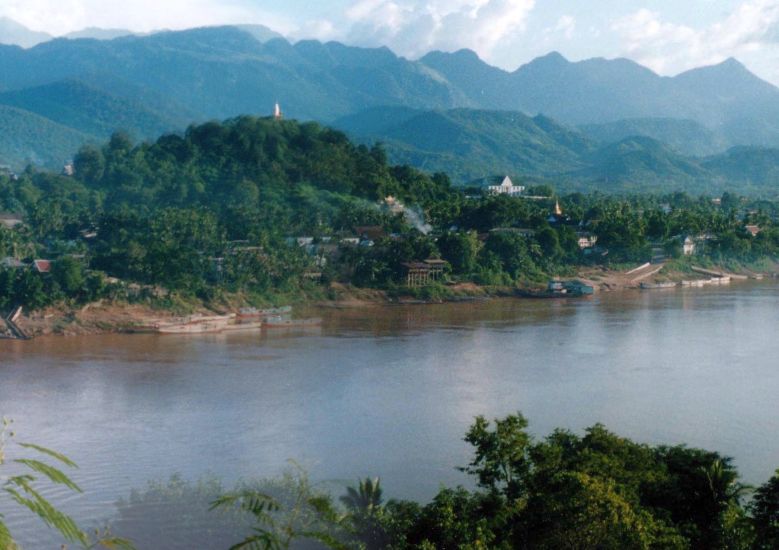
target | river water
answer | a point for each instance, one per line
(390, 391)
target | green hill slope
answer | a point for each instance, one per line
(643, 164)
(469, 144)
(686, 137)
(747, 166)
(81, 107)
(28, 138)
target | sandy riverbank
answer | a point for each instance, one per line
(107, 317)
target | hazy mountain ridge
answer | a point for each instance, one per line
(686, 137)
(448, 111)
(538, 148)
(15, 34)
(225, 71)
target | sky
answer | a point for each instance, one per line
(668, 36)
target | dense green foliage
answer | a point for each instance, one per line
(259, 207)
(597, 490)
(568, 491)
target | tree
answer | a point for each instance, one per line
(501, 462)
(69, 274)
(366, 498)
(549, 241)
(364, 506)
(511, 251)
(89, 164)
(23, 490)
(299, 513)
(460, 250)
(578, 511)
(765, 513)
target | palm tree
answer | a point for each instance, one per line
(302, 513)
(366, 498)
(723, 485)
(366, 513)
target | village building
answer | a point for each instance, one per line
(88, 234)
(521, 231)
(586, 240)
(426, 272)
(753, 230)
(41, 266)
(10, 220)
(394, 205)
(11, 263)
(506, 187)
(688, 246)
(301, 241)
(369, 234)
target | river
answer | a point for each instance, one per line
(390, 391)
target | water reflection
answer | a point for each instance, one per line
(390, 391)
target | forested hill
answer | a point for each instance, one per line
(253, 207)
(203, 212)
(247, 162)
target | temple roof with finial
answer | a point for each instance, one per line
(277, 111)
(557, 210)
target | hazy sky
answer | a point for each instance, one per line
(669, 36)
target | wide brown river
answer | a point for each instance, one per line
(390, 391)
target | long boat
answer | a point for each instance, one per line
(656, 286)
(559, 289)
(254, 313)
(195, 324)
(277, 321)
(238, 327)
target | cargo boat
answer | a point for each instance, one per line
(559, 289)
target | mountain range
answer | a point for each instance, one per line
(467, 143)
(448, 111)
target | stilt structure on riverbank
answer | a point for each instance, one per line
(12, 329)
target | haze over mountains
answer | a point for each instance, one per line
(445, 111)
